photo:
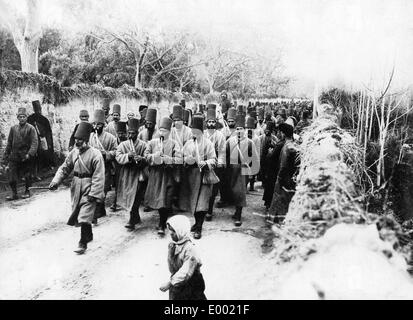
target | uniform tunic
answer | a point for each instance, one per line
(22, 141)
(239, 166)
(161, 175)
(88, 180)
(105, 142)
(129, 186)
(144, 135)
(288, 167)
(194, 196)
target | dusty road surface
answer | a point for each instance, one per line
(37, 259)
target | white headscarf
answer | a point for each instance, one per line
(182, 228)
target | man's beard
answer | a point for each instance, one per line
(231, 126)
(99, 130)
(211, 126)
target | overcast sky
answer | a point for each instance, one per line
(335, 41)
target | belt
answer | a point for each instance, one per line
(82, 175)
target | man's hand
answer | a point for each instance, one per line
(91, 199)
(189, 159)
(166, 286)
(53, 186)
(137, 158)
(202, 164)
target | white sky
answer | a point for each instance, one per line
(323, 41)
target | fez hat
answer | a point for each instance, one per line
(83, 131)
(116, 108)
(201, 108)
(99, 116)
(151, 115)
(286, 129)
(133, 124)
(106, 103)
(21, 110)
(83, 113)
(142, 107)
(250, 123)
(231, 114)
(270, 126)
(240, 109)
(166, 123)
(240, 121)
(121, 127)
(183, 103)
(36, 106)
(225, 106)
(253, 114)
(177, 112)
(198, 123)
(211, 114)
(187, 112)
(211, 106)
(261, 113)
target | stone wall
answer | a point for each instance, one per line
(63, 112)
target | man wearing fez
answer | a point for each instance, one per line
(130, 155)
(149, 132)
(251, 134)
(285, 185)
(112, 126)
(199, 157)
(121, 133)
(106, 108)
(84, 117)
(88, 184)
(180, 133)
(45, 152)
(242, 161)
(106, 144)
(142, 112)
(161, 155)
(22, 144)
(218, 141)
(183, 104)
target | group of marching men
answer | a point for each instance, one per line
(181, 164)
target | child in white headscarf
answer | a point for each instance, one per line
(186, 282)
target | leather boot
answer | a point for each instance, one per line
(237, 216)
(208, 216)
(200, 221)
(83, 239)
(14, 196)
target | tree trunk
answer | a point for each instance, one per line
(138, 76)
(29, 52)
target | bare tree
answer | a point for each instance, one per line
(26, 31)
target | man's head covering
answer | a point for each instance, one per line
(143, 113)
(183, 103)
(83, 131)
(240, 121)
(116, 108)
(211, 106)
(22, 110)
(177, 112)
(182, 227)
(84, 113)
(250, 123)
(141, 107)
(133, 124)
(211, 114)
(201, 108)
(287, 129)
(151, 115)
(166, 123)
(241, 109)
(198, 123)
(290, 121)
(121, 127)
(37, 108)
(232, 113)
(99, 116)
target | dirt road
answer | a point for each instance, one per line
(37, 259)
